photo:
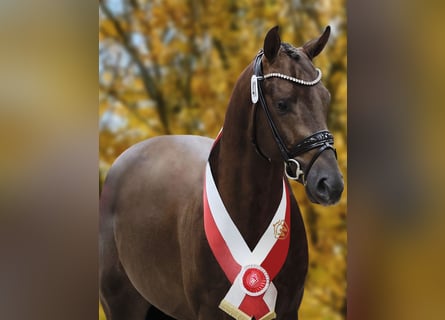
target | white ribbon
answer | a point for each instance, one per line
(238, 247)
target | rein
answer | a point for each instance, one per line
(322, 140)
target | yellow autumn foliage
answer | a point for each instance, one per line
(168, 67)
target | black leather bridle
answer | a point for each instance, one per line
(322, 140)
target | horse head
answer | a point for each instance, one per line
(293, 124)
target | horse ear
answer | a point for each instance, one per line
(272, 43)
(315, 46)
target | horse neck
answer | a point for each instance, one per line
(249, 185)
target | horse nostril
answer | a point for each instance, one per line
(326, 190)
(322, 186)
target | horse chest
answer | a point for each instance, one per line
(206, 283)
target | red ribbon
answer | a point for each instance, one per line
(254, 306)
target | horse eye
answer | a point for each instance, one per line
(282, 106)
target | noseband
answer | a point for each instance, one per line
(322, 140)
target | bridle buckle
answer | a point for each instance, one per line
(298, 171)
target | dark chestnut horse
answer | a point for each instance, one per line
(155, 257)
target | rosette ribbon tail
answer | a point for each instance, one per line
(242, 306)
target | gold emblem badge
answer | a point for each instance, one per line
(280, 229)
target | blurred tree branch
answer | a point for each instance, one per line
(149, 83)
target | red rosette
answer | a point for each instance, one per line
(254, 280)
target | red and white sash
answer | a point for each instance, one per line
(252, 293)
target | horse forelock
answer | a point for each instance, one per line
(291, 51)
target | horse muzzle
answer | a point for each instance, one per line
(325, 182)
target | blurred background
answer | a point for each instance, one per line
(168, 67)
